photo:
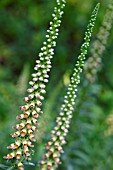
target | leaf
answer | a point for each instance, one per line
(82, 155)
(3, 166)
(10, 168)
(29, 163)
(6, 167)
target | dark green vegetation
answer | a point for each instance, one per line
(23, 27)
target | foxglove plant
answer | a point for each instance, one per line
(24, 135)
(93, 63)
(89, 88)
(54, 146)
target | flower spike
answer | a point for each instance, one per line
(54, 148)
(33, 102)
(93, 64)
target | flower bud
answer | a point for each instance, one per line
(20, 166)
(32, 105)
(31, 137)
(47, 155)
(34, 114)
(20, 126)
(25, 143)
(49, 165)
(26, 114)
(30, 131)
(23, 132)
(26, 151)
(24, 108)
(28, 124)
(20, 117)
(16, 134)
(34, 120)
(10, 156)
(18, 154)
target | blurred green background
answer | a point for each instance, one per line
(23, 25)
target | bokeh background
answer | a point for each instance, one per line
(23, 25)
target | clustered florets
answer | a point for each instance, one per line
(58, 134)
(93, 63)
(33, 102)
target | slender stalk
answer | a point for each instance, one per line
(24, 135)
(54, 146)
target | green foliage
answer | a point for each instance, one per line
(23, 25)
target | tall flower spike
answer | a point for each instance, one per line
(32, 109)
(93, 64)
(54, 146)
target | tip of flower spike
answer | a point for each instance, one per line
(95, 11)
(98, 5)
